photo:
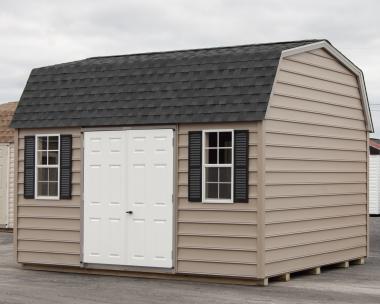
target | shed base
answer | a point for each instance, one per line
(150, 275)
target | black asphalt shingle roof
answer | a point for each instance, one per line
(203, 85)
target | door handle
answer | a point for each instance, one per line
(129, 212)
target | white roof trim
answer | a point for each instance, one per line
(347, 63)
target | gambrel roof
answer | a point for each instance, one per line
(225, 84)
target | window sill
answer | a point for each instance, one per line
(217, 202)
(43, 198)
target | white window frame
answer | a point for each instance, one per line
(36, 167)
(204, 166)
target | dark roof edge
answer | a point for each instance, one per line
(210, 48)
(183, 50)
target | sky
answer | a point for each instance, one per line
(44, 32)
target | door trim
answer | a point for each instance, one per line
(174, 267)
(121, 128)
(129, 268)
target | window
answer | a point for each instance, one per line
(217, 166)
(47, 166)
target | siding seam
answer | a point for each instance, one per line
(314, 123)
(316, 64)
(317, 242)
(305, 231)
(276, 106)
(287, 70)
(310, 99)
(314, 218)
(316, 254)
(316, 89)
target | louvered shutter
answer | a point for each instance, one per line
(195, 166)
(29, 160)
(65, 166)
(241, 138)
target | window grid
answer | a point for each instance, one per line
(47, 165)
(217, 165)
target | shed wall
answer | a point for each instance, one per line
(217, 239)
(316, 165)
(48, 231)
(11, 185)
(374, 184)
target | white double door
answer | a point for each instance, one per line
(128, 197)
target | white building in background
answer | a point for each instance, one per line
(374, 176)
(7, 167)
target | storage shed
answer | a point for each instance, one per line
(7, 165)
(374, 176)
(243, 162)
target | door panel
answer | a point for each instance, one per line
(104, 197)
(128, 171)
(3, 184)
(150, 181)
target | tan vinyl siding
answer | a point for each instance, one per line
(316, 165)
(49, 230)
(217, 239)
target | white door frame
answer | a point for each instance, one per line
(175, 200)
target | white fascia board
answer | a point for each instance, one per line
(347, 63)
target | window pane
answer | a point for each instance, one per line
(211, 139)
(211, 174)
(42, 175)
(42, 143)
(211, 190)
(42, 189)
(53, 174)
(225, 156)
(225, 175)
(53, 189)
(53, 158)
(42, 158)
(211, 156)
(225, 191)
(53, 142)
(225, 139)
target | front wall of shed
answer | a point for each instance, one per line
(48, 231)
(217, 239)
(316, 166)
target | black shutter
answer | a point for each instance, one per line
(65, 167)
(241, 138)
(29, 159)
(195, 166)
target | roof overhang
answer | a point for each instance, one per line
(374, 144)
(347, 63)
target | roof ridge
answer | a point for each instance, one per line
(180, 51)
(208, 48)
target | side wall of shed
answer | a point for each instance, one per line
(217, 239)
(48, 231)
(316, 165)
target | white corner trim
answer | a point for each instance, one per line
(346, 62)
